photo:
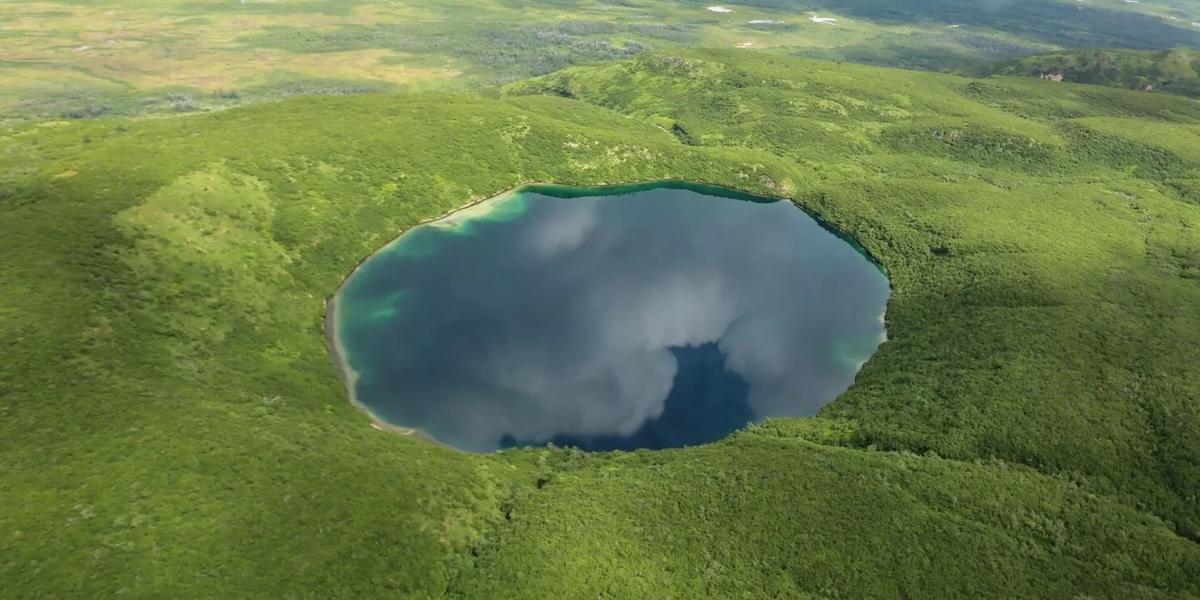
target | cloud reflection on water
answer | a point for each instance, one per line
(565, 321)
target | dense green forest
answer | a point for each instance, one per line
(1175, 71)
(171, 424)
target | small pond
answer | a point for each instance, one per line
(649, 316)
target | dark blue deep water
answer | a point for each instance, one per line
(608, 318)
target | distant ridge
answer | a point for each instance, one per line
(1174, 71)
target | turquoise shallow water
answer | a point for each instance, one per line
(646, 316)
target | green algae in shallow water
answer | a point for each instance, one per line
(646, 316)
(499, 209)
(423, 241)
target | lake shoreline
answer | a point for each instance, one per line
(349, 379)
(338, 352)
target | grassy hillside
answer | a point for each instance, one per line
(171, 423)
(1175, 71)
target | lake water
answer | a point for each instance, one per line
(608, 318)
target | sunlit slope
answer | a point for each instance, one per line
(172, 424)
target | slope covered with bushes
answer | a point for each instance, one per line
(172, 423)
(1175, 71)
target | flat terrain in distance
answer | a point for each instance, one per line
(87, 58)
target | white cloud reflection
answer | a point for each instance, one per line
(562, 321)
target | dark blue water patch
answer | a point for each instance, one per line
(611, 318)
(706, 403)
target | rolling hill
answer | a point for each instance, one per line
(171, 423)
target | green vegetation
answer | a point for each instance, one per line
(491, 51)
(1175, 71)
(91, 58)
(171, 423)
(949, 50)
